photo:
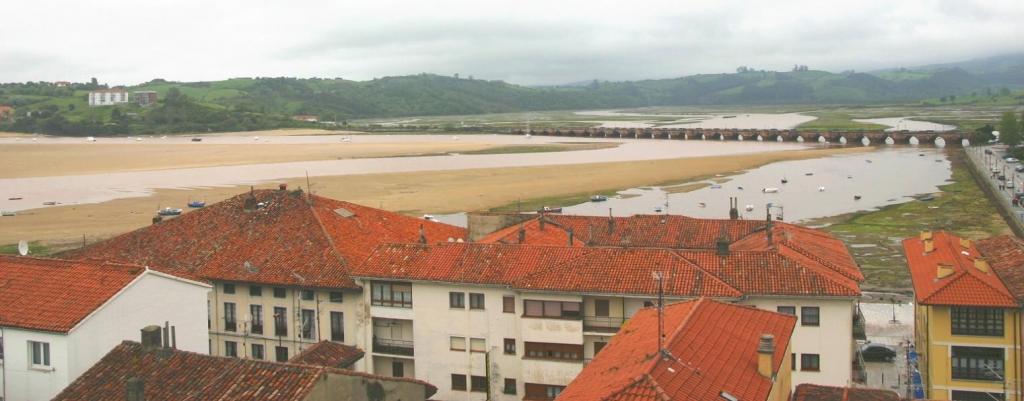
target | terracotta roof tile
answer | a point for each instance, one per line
(780, 272)
(329, 354)
(533, 234)
(630, 367)
(965, 286)
(287, 235)
(814, 392)
(54, 294)
(1006, 255)
(187, 375)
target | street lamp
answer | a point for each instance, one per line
(894, 302)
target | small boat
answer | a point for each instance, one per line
(18, 198)
(938, 160)
(809, 174)
(196, 203)
(455, 138)
(920, 154)
(168, 212)
(933, 207)
(868, 160)
(528, 136)
(856, 197)
(927, 198)
(701, 204)
(163, 137)
(657, 209)
(739, 188)
(255, 138)
(346, 139)
(50, 203)
(90, 139)
(784, 180)
(197, 139)
(750, 207)
(716, 186)
(728, 116)
(136, 139)
(546, 209)
(429, 217)
(821, 189)
(849, 176)
(770, 190)
(598, 198)
(7, 213)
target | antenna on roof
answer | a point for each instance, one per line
(661, 312)
(309, 196)
(22, 248)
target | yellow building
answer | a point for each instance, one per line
(967, 322)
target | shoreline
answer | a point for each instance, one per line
(435, 192)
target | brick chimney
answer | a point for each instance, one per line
(135, 390)
(766, 356)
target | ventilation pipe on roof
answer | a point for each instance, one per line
(522, 234)
(250, 202)
(135, 390)
(570, 237)
(611, 222)
(542, 221)
(734, 213)
(423, 238)
(768, 227)
(765, 353)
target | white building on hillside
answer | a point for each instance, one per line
(108, 97)
(59, 317)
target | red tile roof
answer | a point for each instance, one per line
(608, 270)
(318, 242)
(966, 286)
(814, 392)
(630, 367)
(532, 234)
(187, 375)
(56, 295)
(329, 354)
(1006, 255)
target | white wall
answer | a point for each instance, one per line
(107, 98)
(26, 383)
(832, 339)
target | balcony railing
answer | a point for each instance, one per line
(394, 347)
(603, 324)
(230, 326)
(859, 329)
(974, 374)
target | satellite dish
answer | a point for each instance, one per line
(22, 248)
(250, 267)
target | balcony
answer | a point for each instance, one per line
(603, 324)
(859, 330)
(393, 347)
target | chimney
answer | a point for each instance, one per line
(768, 228)
(157, 219)
(611, 222)
(423, 238)
(734, 213)
(929, 245)
(926, 235)
(570, 237)
(250, 202)
(283, 186)
(981, 263)
(522, 234)
(174, 339)
(765, 356)
(542, 221)
(135, 389)
(150, 337)
(964, 242)
(944, 270)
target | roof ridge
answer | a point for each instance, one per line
(818, 259)
(960, 277)
(327, 236)
(584, 252)
(824, 272)
(676, 253)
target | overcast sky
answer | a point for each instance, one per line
(123, 42)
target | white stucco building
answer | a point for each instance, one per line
(108, 97)
(59, 317)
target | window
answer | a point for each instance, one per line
(40, 353)
(478, 383)
(977, 321)
(977, 363)
(397, 369)
(229, 288)
(810, 362)
(231, 349)
(306, 295)
(543, 391)
(476, 301)
(281, 354)
(255, 291)
(457, 300)
(337, 296)
(789, 310)
(810, 316)
(648, 304)
(792, 362)
(279, 292)
(337, 326)
(976, 396)
(458, 382)
(1, 350)
(601, 307)
(510, 346)
(566, 352)
(508, 304)
(477, 345)
(230, 322)
(598, 346)
(257, 319)
(559, 309)
(308, 323)
(458, 343)
(257, 351)
(392, 294)
(280, 321)
(510, 386)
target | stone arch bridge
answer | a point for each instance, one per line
(954, 138)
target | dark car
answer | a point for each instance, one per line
(1001, 177)
(877, 352)
(1019, 169)
(988, 151)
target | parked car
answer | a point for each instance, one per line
(877, 352)
(1012, 160)
(1001, 177)
(1009, 184)
(988, 151)
(1019, 169)
(1005, 156)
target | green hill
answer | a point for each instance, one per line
(262, 103)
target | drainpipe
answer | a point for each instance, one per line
(3, 367)
(1016, 342)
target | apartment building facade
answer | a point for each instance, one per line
(108, 97)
